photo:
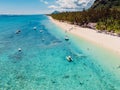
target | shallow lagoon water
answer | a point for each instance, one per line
(42, 64)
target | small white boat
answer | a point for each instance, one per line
(34, 28)
(66, 38)
(18, 31)
(69, 58)
(41, 31)
(19, 49)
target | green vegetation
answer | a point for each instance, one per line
(105, 13)
(106, 4)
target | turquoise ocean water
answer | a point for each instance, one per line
(42, 64)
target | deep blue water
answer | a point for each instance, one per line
(42, 64)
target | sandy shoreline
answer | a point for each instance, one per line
(104, 40)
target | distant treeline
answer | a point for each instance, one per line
(105, 18)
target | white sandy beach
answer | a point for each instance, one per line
(110, 42)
